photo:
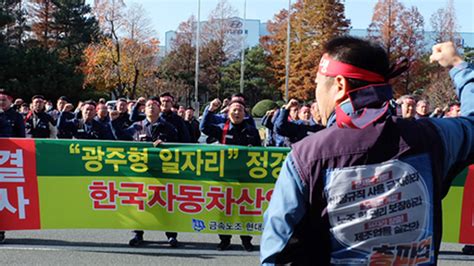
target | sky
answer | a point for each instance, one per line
(168, 14)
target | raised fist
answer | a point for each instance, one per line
(215, 104)
(445, 54)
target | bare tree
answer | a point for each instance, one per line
(110, 15)
(444, 24)
(222, 28)
(137, 24)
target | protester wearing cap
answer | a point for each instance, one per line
(328, 205)
(233, 132)
(38, 123)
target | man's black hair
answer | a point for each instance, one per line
(167, 94)
(154, 98)
(122, 100)
(63, 98)
(453, 104)
(360, 53)
(238, 94)
(91, 102)
(37, 97)
(190, 108)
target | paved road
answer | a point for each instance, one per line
(107, 247)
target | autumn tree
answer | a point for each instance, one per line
(124, 61)
(178, 66)
(219, 45)
(411, 46)
(400, 31)
(274, 45)
(313, 23)
(218, 29)
(444, 24)
(385, 27)
(42, 17)
(110, 15)
(439, 89)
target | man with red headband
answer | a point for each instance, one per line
(367, 189)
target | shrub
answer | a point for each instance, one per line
(262, 107)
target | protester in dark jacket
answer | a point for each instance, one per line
(38, 124)
(294, 130)
(342, 194)
(154, 129)
(103, 119)
(234, 131)
(193, 125)
(11, 122)
(86, 127)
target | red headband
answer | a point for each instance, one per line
(331, 68)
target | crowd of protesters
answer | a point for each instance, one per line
(160, 120)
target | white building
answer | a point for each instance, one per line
(254, 29)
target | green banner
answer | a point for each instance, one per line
(129, 185)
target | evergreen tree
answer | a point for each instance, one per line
(74, 27)
(257, 84)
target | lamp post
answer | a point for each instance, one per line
(196, 77)
(242, 55)
(287, 63)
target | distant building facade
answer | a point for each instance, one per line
(255, 29)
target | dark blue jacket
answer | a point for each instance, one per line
(162, 130)
(267, 122)
(178, 123)
(81, 129)
(62, 134)
(294, 130)
(194, 132)
(184, 135)
(107, 125)
(122, 123)
(12, 124)
(38, 125)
